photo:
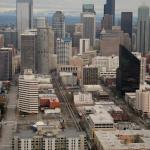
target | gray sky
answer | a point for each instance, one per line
(73, 6)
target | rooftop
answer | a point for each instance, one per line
(124, 139)
(26, 134)
(101, 117)
(93, 88)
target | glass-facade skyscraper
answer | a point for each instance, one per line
(126, 22)
(24, 17)
(88, 18)
(128, 73)
(109, 9)
(143, 29)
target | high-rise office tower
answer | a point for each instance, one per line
(109, 8)
(40, 22)
(110, 41)
(1, 40)
(90, 75)
(107, 22)
(5, 64)
(64, 51)
(24, 17)
(88, 18)
(79, 28)
(28, 50)
(84, 45)
(45, 43)
(70, 29)
(58, 26)
(10, 37)
(143, 29)
(126, 22)
(147, 35)
(88, 8)
(78, 34)
(128, 73)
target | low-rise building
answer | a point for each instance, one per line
(122, 140)
(75, 69)
(67, 139)
(130, 98)
(68, 78)
(93, 88)
(101, 120)
(83, 99)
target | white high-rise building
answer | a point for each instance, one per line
(143, 29)
(84, 45)
(24, 17)
(64, 51)
(28, 93)
(45, 41)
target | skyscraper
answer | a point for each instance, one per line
(45, 39)
(40, 22)
(88, 8)
(58, 26)
(90, 75)
(28, 50)
(126, 22)
(109, 8)
(128, 73)
(5, 64)
(64, 51)
(143, 29)
(10, 37)
(28, 93)
(84, 45)
(1, 40)
(24, 17)
(88, 18)
(107, 22)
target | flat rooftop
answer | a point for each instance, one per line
(25, 134)
(124, 139)
(101, 117)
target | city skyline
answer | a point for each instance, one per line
(74, 7)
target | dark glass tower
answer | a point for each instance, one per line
(109, 9)
(126, 22)
(128, 73)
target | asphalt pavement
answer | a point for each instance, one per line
(9, 122)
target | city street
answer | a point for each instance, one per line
(9, 122)
(120, 102)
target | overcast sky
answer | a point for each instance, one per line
(73, 6)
